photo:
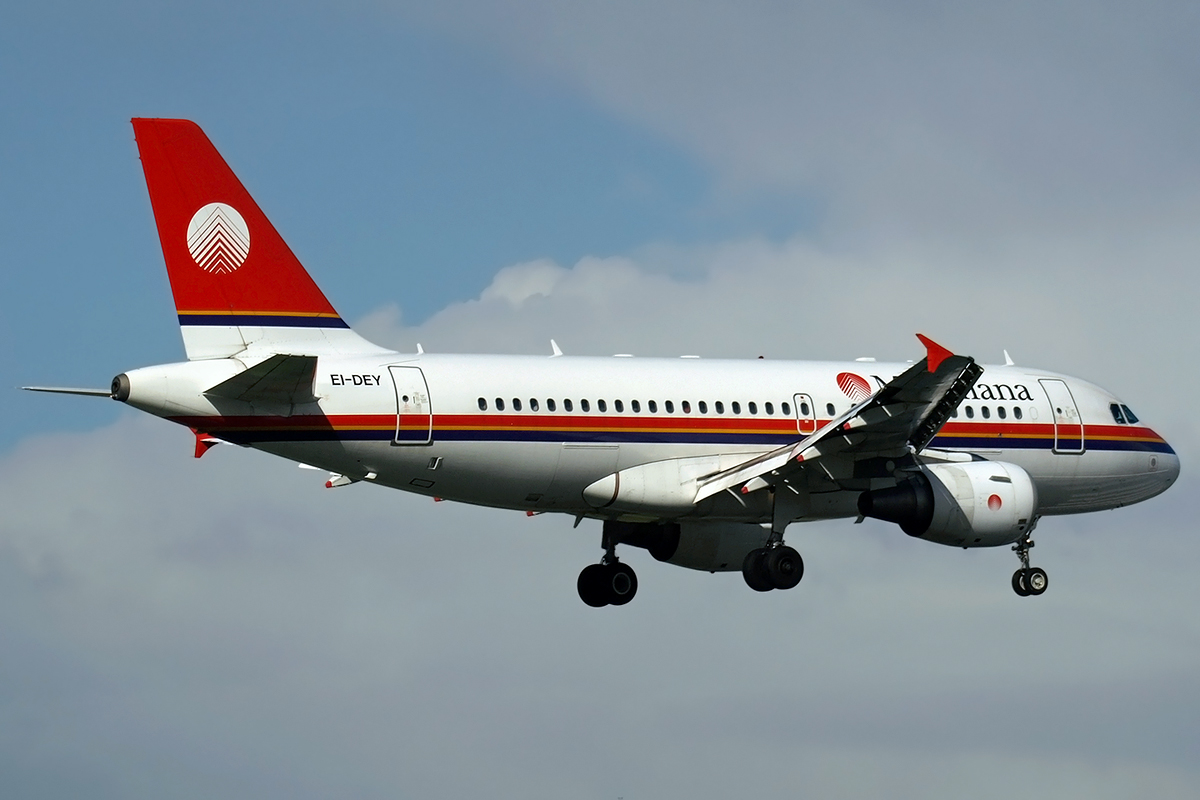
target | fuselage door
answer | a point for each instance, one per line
(1068, 425)
(414, 416)
(806, 414)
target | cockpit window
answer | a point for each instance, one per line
(1116, 412)
(1129, 415)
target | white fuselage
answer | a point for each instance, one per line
(532, 433)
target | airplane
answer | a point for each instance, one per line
(702, 462)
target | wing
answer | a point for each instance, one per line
(897, 422)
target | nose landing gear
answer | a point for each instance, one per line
(1028, 580)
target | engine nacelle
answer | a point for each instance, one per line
(707, 546)
(972, 504)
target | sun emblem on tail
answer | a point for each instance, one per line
(218, 238)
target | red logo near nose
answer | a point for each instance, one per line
(854, 386)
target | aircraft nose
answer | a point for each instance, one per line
(1168, 467)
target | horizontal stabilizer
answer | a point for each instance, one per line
(66, 390)
(283, 379)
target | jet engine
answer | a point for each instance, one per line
(972, 504)
(706, 546)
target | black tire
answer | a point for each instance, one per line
(754, 570)
(1036, 580)
(620, 583)
(784, 567)
(1018, 583)
(591, 585)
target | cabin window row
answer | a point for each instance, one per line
(652, 406)
(986, 412)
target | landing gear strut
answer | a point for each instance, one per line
(1028, 580)
(609, 583)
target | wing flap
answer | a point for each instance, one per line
(899, 420)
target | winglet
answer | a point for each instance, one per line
(935, 353)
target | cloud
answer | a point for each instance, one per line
(1103, 307)
(228, 626)
(923, 118)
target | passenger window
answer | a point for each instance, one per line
(752, 407)
(482, 404)
(533, 404)
(653, 406)
(804, 409)
(1001, 412)
(499, 403)
(703, 406)
(635, 406)
(686, 406)
(550, 404)
(736, 406)
(954, 414)
(1116, 412)
(785, 409)
(669, 406)
(770, 407)
(720, 407)
(1017, 412)
(584, 406)
(516, 404)
(601, 406)
(830, 410)
(1129, 415)
(619, 406)
(970, 413)
(987, 412)
(568, 405)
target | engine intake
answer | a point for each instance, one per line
(975, 504)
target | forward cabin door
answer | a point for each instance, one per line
(414, 416)
(806, 414)
(1068, 426)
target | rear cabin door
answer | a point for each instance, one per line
(1068, 426)
(414, 416)
(806, 414)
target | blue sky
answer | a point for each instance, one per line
(399, 163)
(793, 180)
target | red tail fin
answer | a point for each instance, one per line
(236, 282)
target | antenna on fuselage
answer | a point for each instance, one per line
(1008, 362)
(554, 347)
(420, 350)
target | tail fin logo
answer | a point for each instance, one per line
(218, 238)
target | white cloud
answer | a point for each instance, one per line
(227, 624)
(1104, 307)
(900, 117)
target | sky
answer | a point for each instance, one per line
(789, 180)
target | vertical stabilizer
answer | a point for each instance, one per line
(237, 284)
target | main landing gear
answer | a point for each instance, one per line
(1028, 580)
(775, 566)
(609, 583)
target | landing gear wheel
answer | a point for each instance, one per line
(784, 566)
(754, 570)
(1018, 583)
(1036, 580)
(592, 585)
(620, 583)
